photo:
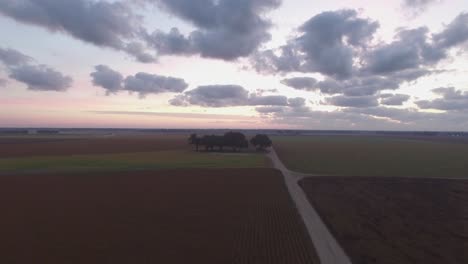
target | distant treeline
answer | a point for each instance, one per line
(28, 131)
(232, 140)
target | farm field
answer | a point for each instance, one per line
(372, 156)
(120, 153)
(56, 145)
(394, 220)
(167, 216)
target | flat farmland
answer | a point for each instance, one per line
(394, 220)
(56, 145)
(119, 153)
(173, 216)
(373, 156)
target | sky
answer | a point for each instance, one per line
(295, 64)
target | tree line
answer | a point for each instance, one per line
(234, 140)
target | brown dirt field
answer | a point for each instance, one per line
(177, 216)
(395, 220)
(31, 146)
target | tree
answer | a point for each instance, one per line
(261, 141)
(194, 140)
(235, 140)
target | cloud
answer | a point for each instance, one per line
(327, 44)
(41, 78)
(37, 77)
(418, 5)
(3, 82)
(410, 50)
(301, 83)
(296, 102)
(231, 95)
(100, 23)
(370, 118)
(11, 57)
(329, 40)
(454, 34)
(356, 86)
(145, 83)
(137, 50)
(141, 83)
(393, 99)
(225, 29)
(107, 78)
(213, 96)
(416, 48)
(339, 46)
(353, 101)
(269, 109)
(268, 100)
(451, 100)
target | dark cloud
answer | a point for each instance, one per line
(393, 99)
(353, 101)
(231, 95)
(327, 44)
(279, 100)
(454, 34)
(172, 43)
(336, 44)
(269, 109)
(416, 48)
(145, 83)
(226, 29)
(101, 23)
(137, 50)
(37, 77)
(329, 40)
(450, 100)
(410, 50)
(357, 86)
(296, 102)
(213, 96)
(141, 83)
(301, 83)
(107, 78)
(11, 57)
(40, 78)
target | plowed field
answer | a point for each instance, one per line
(177, 216)
(394, 220)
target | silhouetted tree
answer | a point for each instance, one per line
(194, 140)
(261, 141)
(236, 140)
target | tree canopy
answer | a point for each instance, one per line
(235, 140)
(261, 141)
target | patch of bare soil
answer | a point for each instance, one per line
(394, 220)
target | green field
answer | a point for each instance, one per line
(174, 159)
(372, 156)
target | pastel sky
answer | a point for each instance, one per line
(295, 64)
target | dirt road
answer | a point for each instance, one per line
(328, 249)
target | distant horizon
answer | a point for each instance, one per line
(222, 129)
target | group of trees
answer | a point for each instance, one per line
(233, 140)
